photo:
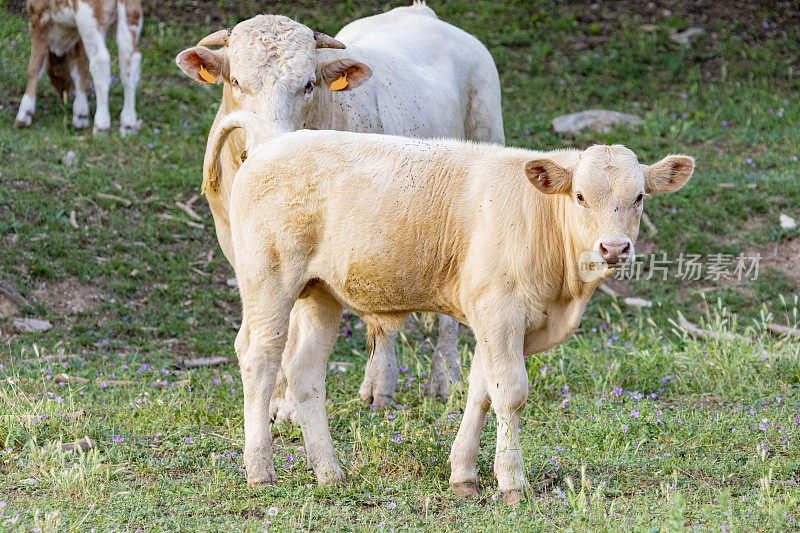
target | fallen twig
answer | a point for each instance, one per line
(115, 198)
(203, 361)
(647, 222)
(12, 295)
(636, 302)
(783, 330)
(64, 378)
(166, 216)
(73, 220)
(608, 290)
(188, 210)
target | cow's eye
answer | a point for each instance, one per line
(309, 87)
(639, 199)
(235, 82)
(581, 200)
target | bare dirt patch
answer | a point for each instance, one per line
(783, 256)
(68, 296)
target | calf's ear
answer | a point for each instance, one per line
(346, 73)
(202, 64)
(669, 174)
(548, 177)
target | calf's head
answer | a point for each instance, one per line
(271, 65)
(604, 194)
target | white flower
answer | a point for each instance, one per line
(272, 511)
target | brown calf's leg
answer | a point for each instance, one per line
(36, 66)
(78, 65)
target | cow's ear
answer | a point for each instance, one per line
(344, 74)
(548, 177)
(202, 64)
(669, 174)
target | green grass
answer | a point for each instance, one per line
(634, 424)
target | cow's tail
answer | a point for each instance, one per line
(257, 130)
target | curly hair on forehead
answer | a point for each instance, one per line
(283, 41)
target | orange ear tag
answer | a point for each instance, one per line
(206, 76)
(339, 84)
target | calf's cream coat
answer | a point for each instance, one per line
(388, 226)
(409, 74)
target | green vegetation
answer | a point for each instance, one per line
(630, 424)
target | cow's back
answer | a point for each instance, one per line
(427, 76)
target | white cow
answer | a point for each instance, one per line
(407, 73)
(495, 237)
(63, 34)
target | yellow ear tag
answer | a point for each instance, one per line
(206, 76)
(339, 84)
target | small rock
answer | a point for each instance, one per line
(686, 36)
(787, 222)
(232, 282)
(27, 325)
(69, 158)
(594, 119)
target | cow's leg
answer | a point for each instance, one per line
(380, 375)
(259, 346)
(281, 405)
(78, 65)
(93, 35)
(316, 316)
(464, 452)
(36, 66)
(129, 24)
(445, 363)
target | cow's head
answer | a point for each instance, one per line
(271, 66)
(604, 194)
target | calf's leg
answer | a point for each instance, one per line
(36, 65)
(316, 315)
(259, 346)
(93, 35)
(445, 369)
(78, 65)
(464, 452)
(129, 24)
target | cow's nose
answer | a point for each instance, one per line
(615, 251)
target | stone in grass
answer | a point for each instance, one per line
(787, 222)
(69, 158)
(28, 325)
(601, 120)
(686, 36)
(232, 282)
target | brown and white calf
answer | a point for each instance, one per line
(387, 226)
(282, 70)
(68, 39)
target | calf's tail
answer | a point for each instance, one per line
(257, 130)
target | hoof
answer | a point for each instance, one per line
(282, 410)
(23, 121)
(261, 483)
(468, 490)
(80, 122)
(371, 397)
(513, 497)
(438, 390)
(129, 129)
(99, 131)
(333, 477)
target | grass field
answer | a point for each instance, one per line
(631, 424)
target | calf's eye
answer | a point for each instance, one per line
(235, 82)
(309, 87)
(581, 200)
(639, 198)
